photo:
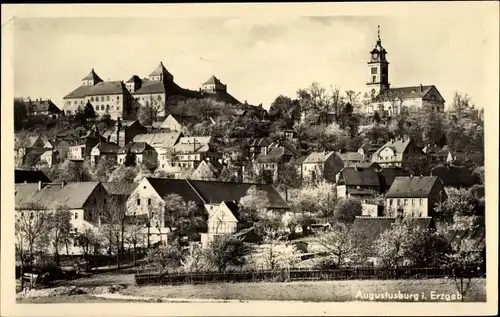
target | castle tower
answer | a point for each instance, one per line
(378, 68)
(161, 74)
(91, 79)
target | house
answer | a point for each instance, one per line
(106, 97)
(41, 107)
(371, 209)
(189, 152)
(400, 152)
(148, 198)
(80, 149)
(222, 220)
(350, 158)
(257, 147)
(415, 196)
(84, 200)
(321, 165)
(71, 135)
(178, 123)
(370, 229)
(387, 176)
(355, 182)
(214, 89)
(367, 149)
(207, 170)
(118, 193)
(163, 143)
(62, 147)
(104, 149)
(49, 158)
(142, 153)
(467, 159)
(371, 165)
(124, 132)
(454, 176)
(270, 164)
(25, 176)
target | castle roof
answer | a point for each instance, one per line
(160, 70)
(101, 88)
(213, 81)
(92, 76)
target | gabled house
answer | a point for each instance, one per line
(367, 149)
(222, 220)
(350, 158)
(84, 200)
(104, 149)
(399, 152)
(142, 152)
(257, 147)
(80, 149)
(207, 170)
(163, 143)
(321, 165)
(124, 132)
(270, 164)
(387, 176)
(454, 176)
(355, 182)
(189, 152)
(41, 107)
(178, 123)
(118, 193)
(414, 196)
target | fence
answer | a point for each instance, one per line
(356, 273)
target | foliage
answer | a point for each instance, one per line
(103, 169)
(458, 203)
(196, 261)
(149, 112)
(276, 254)
(319, 199)
(164, 257)
(254, 205)
(342, 244)
(20, 114)
(181, 217)
(129, 158)
(123, 174)
(61, 226)
(346, 210)
(69, 171)
(225, 251)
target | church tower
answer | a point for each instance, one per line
(378, 67)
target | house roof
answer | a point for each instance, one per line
(119, 188)
(412, 187)
(397, 145)
(388, 174)
(107, 147)
(73, 195)
(167, 140)
(207, 168)
(222, 96)
(216, 192)
(160, 70)
(350, 156)
(318, 157)
(135, 147)
(372, 227)
(181, 187)
(42, 105)
(92, 76)
(369, 147)
(409, 92)
(24, 176)
(184, 119)
(260, 142)
(224, 212)
(195, 139)
(191, 148)
(134, 79)
(101, 88)
(354, 176)
(275, 155)
(366, 165)
(453, 175)
(213, 81)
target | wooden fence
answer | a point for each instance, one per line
(358, 273)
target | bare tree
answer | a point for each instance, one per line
(61, 230)
(341, 243)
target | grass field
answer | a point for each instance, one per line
(70, 300)
(308, 291)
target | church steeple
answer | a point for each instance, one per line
(378, 68)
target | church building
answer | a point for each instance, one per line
(387, 100)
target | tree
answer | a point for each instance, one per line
(134, 235)
(33, 226)
(20, 114)
(276, 254)
(465, 263)
(225, 251)
(318, 199)
(89, 241)
(89, 111)
(342, 244)
(149, 112)
(254, 205)
(61, 226)
(181, 217)
(346, 210)
(457, 203)
(285, 108)
(130, 159)
(164, 257)
(123, 174)
(112, 218)
(104, 168)
(195, 261)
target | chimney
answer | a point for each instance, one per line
(421, 88)
(39, 185)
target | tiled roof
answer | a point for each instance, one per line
(73, 195)
(453, 175)
(135, 147)
(134, 79)
(101, 88)
(191, 148)
(119, 188)
(359, 177)
(22, 176)
(92, 76)
(366, 165)
(184, 119)
(151, 87)
(213, 81)
(166, 140)
(350, 156)
(388, 174)
(195, 139)
(372, 227)
(181, 187)
(160, 70)
(217, 192)
(412, 187)
(222, 96)
(370, 148)
(260, 142)
(275, 155)
(107, 147)
(405, 92)
(318, 157)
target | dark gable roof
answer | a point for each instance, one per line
(181, 187)
(404, 92)
(119, 188)
(92, 76)
(134, 79)
(412, 187)
(107, 147)
(372, 227)
(101, 88)
(275, 155)
(42, 106)
(453, 175)
(398, 145)
(388, 174)
(73, 195)
(160, 70)
(217, 192)
(22, 176)
(360, 176)
(135, 147)
(221, 96)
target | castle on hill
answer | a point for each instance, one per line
(119, 98)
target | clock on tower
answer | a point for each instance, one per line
(378, 69)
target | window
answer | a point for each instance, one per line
(138, 202)
(413, 202)
(91, 98)
(102, 98)
(104, 200)
(374, 70)
(95, 201)
(107, 98)
(374, 79)
(149, 201)
(107, 107)
(76, 230)
(398, 201)
(390, 202)
(117, 97)
(421, 201)
(406, 202)
(76, 215)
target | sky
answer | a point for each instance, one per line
(258, 58)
